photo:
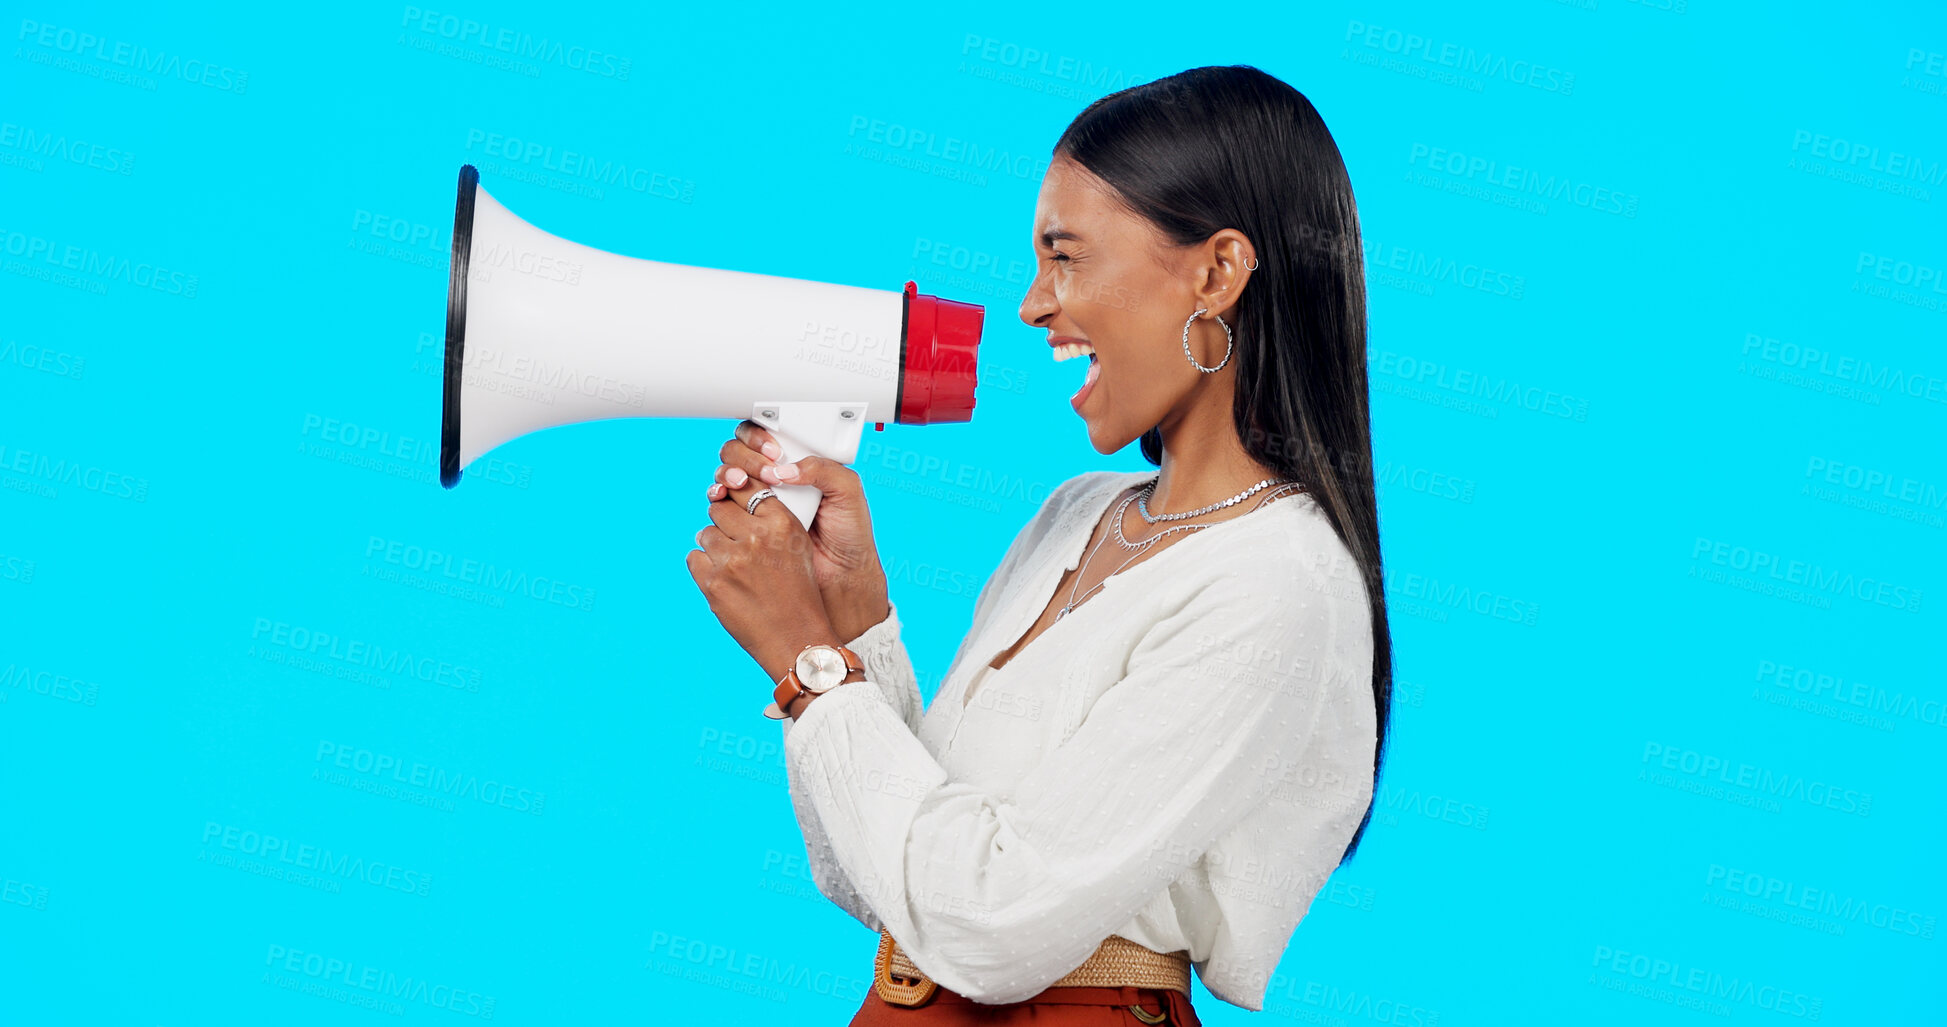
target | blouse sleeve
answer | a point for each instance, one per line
(890, 669)
(996, 897)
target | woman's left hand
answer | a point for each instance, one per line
(755, 570)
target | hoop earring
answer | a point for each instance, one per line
(1252, 266)
(1229, 341)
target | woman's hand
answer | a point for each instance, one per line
(755, 569)
(844, 558)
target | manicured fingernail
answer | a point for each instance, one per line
(789, 472)
(736, 477)
(715, 491)
(771, 450)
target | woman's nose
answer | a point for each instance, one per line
(1039, 306)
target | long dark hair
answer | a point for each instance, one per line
(1232, 147)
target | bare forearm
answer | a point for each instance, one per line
(858, 604)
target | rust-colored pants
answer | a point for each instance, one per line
(1051, 1007)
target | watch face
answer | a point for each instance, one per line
(820, 668)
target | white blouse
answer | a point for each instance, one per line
(1181, 760)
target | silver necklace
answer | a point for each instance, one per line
(1136, 549)
(1123, 540)
(1142, 502)
(1140, 547)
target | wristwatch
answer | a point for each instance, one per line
(818, 668)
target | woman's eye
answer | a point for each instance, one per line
(1061, 256)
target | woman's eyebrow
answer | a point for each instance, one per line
(1048, 237)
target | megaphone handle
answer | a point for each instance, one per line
(801, 500)
(802, 428)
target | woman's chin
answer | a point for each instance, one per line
(1104, 438)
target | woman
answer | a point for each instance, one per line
(1169, 778)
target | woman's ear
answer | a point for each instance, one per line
(1224, 264)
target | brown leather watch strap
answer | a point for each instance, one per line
(789, 687)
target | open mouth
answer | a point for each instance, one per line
(1070, 350)
(1066, 350)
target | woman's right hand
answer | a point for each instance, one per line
(844, 557)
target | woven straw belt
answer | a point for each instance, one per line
(1116, 963)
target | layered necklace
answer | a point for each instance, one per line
(1278, 486)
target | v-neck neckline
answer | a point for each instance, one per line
(1075, 550)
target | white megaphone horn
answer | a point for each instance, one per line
(542, 332)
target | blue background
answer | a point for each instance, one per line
(1628, 423)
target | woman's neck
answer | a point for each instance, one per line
(1204, 462)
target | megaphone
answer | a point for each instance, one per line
(542, 332)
